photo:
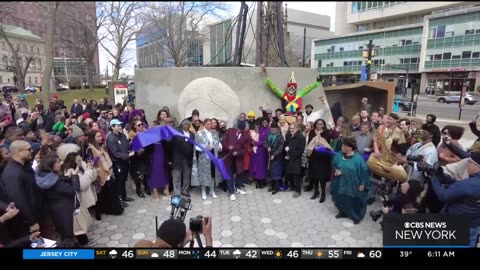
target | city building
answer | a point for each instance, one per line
(152, 51)
(32, 17)
(30, 45)
(219, 48)
(70, 71)
(432, 44)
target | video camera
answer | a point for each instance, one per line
(180, 206)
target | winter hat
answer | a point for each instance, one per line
(241, 125)
(185, 122)
(55, 96)
(86, 115)
(76, 131)
(135, 113)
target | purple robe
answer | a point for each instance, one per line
(159, 176)
(259, 161)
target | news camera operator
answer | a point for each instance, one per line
(408, 200)
(173, 233)
(461, 196)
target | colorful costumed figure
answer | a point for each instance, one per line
(291, 99)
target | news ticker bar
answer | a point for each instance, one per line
(249, 254)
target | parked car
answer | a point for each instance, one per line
(31, 88)
(9, 89)
(62, 87)
(469, 99)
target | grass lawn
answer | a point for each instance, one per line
(69, 96)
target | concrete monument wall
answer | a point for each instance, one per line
(221, 92)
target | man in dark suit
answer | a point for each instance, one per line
(235, 143)
(294, 147)
(182, 160)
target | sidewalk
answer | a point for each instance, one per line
(439, 120)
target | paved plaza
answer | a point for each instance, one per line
(257, 219)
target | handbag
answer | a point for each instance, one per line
(82, 220)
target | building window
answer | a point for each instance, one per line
(331, 64)
(455, 57)
(433, 32)
(469, 32)
(437, 57)
(360, 47)
(466, 55)
(345, 63)
(36, 80)
(8, 80)
(319, 63)
(477, 31)
(341, 49)
(449, 34)
(440, 31)
(414, 60)
(476, 55)
(332, 49)
(447, 56)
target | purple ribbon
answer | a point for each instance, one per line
(322, 149)
(160, 133)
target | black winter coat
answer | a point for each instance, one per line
(296, 143)
(17, 185)
(182, 151)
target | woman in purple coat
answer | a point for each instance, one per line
(259, 157)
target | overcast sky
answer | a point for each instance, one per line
(324, 8)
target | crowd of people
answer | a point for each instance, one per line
(61, 167)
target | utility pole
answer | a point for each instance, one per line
(304, 45)
(237, 41)
(258, 55)
(369, 58)
(281, 46)
(242, 33)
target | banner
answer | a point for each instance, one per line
(156, 134)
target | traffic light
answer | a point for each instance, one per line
(368, 55)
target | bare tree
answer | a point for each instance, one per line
(122, 23)
(20, 57)
(179, 24)
(79, 33)
(52, 8)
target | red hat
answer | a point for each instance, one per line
(86, 115)
(55, 96)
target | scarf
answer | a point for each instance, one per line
(103, 166)
(272, 138)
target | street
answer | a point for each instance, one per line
(448, 111)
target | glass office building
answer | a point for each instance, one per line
(452, 55)
(442, 53)
(396, 51)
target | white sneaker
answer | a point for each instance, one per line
(204, 194)
(232, 197)
(241, 191)
(213, 194)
